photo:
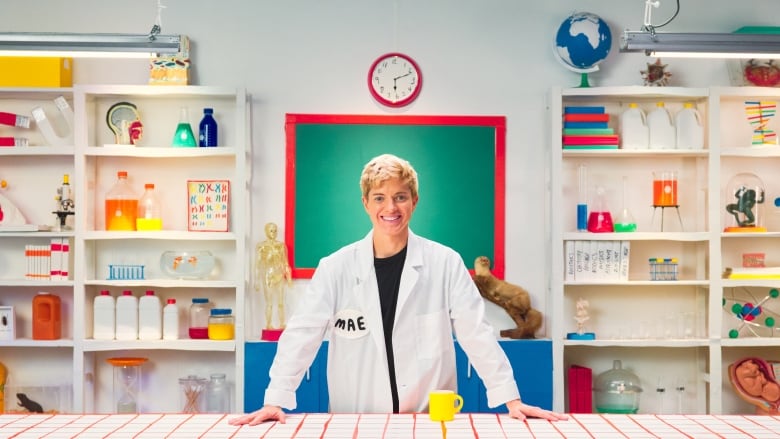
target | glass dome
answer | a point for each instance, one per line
(742, 204)
(617, 390)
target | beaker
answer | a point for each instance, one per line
(127, 377)
(665, 189)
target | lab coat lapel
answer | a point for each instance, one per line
(367, 291)
(410, 274)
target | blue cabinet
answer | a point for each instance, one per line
(312, 394)
(531, 362)
(532, 366)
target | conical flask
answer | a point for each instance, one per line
(600, 220)
(625, 221)
(184, 136)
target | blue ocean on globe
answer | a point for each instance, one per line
(583, 41)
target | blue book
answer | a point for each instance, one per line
(583, 110)
(586, 124)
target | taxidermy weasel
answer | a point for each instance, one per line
(513, 298)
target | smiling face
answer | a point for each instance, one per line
(389, 187)
(390, 206)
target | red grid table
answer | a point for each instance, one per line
(404, 426)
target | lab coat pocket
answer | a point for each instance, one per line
(433, 333)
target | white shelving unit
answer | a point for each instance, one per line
(33, 175)
(670, 333)
(93, 167)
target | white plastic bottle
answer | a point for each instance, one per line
(659, 124)
(149, 317)
(689, 128)
(127, 316)
(171, 320)
(633, 128)
(103, 316)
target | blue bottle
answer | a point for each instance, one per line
(208, 129)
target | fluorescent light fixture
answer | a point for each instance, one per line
(88, 45)
(702, 45)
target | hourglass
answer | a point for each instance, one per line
(127, 373)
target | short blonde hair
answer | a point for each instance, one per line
(385, 167)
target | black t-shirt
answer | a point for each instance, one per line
(388, 278)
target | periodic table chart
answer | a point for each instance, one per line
(380, 426)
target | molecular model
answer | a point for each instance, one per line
(754, 317)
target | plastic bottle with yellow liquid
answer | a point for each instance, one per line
(149, 210)
(121, 205)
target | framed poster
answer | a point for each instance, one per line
(460, 161)
(208, 205)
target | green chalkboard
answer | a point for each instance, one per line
(460, 167)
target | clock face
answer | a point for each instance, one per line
(394, 80)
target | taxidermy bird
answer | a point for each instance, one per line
(513, 298)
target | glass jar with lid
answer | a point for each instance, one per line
(217, 394)
(221, 324)
(199, 318)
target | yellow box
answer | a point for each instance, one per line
(30, 71)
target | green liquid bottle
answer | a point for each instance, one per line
(184, 136)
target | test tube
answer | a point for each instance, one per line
(582, 201)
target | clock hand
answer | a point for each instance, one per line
(399, 77)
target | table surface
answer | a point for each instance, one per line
(402, 426)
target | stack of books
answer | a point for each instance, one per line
(50, 262)
(596, 260)
(587, 127)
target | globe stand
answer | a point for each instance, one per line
(584, 81)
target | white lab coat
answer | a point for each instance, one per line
(436, 296)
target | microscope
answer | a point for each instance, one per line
(65, 205)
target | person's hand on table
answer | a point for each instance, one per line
(519, 410)
(267, 413)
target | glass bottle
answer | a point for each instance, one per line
(184, 136)
(121, 205)
(149, 210)
(207, 130)
(217, 394)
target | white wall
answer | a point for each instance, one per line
(489, 57)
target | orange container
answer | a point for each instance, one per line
(47, 317)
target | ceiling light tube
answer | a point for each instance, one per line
(702, 45)
(88, 45)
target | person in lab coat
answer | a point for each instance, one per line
(389, 305)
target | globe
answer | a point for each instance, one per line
(582, 42)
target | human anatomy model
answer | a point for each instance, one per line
(272, 274)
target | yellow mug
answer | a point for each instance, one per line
(443, 404)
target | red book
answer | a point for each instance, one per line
(609, 139)
(576, 117)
